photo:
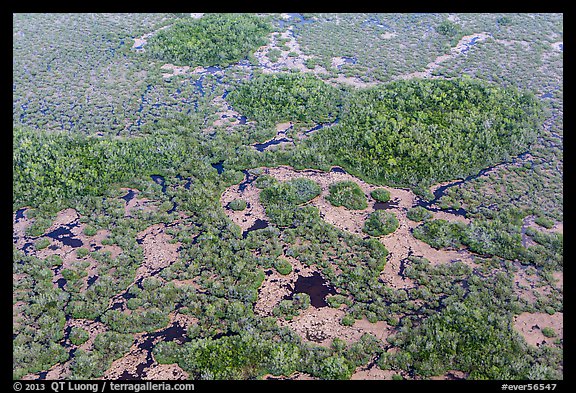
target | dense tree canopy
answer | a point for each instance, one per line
(214, 39)
(287, 97)
(425, 131)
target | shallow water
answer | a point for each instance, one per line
(259, 224)
(316, 287)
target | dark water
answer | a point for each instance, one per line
(337, 169)
(547, 95)
(91, 280)
(268, 272)
(263, 146)
(224, 334)
(320, 126)
(129, 196)
(259, 224)
(249, 179)
(315, 286)
(561, 47)
(470, 44)
(439, 192)
(61, 282)
(20, 214)
(159, 180)
(174, 332)
(295, 19)
(242, 120)
(64, 234)
(213, 69)
(218, 166)
(188, 181)
(386, 205)
(173, 208)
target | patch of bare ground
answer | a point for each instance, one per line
(530, 326)
(135, 204)
(276, 286)
(139, 362)
(224, 113)
(558, 45)
(388, 35)
(452, 375)
(284, 59)
(322, 325)
(67, 221)
(372, 373)
(254, 209)
(351, 80)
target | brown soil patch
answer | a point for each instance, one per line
(276, 286)
(158, 251)
(137, 357)
(451, 376)
(322, 325)
(530, 327)
(372, 373)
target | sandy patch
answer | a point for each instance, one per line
(276, 286)
(140, 362)
(452, 375)
(530, 327)
(158, 251)
(528, 285)
(322, 325)
(62, 370)
(372, 373)
(137, 204)
(284, 60)
(352, 81)
(197, 15)
(388, 35)
(558, 45)
(254, 209)
(337, 62)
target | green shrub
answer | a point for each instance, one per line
(418, 213)
(90, 230)
(381, 195)
(347, 320)
(283, 266)
(82, 252)
(41, 243)
(548, 332)
(545, 222)
(348, 194)
(215, 39)
(264, 181)
(237, 204)
(440, 233)
(78, 336)
(380, 223)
